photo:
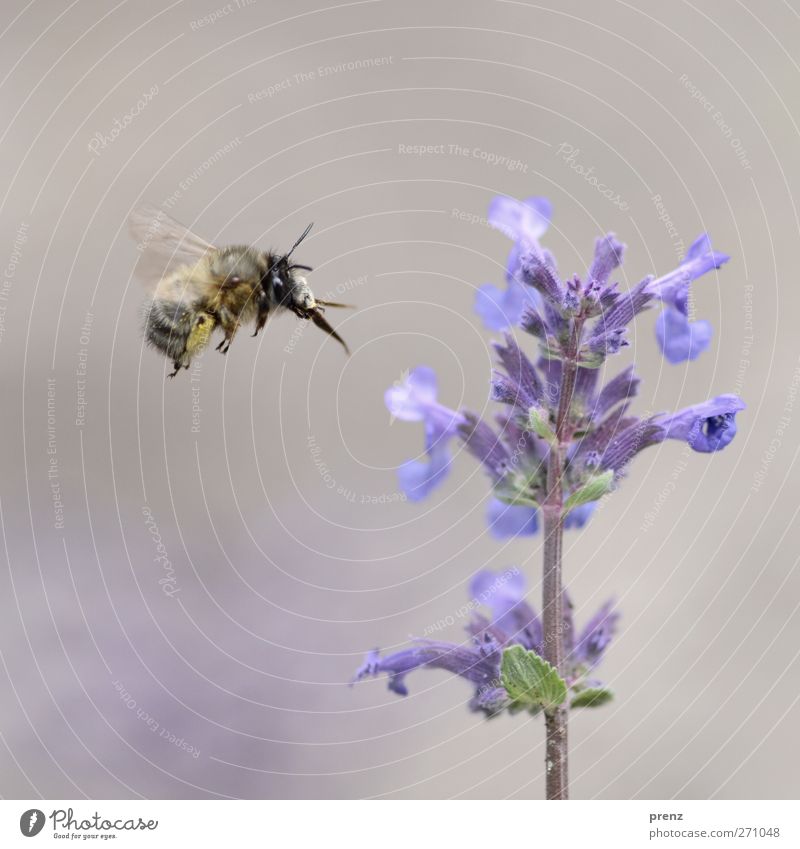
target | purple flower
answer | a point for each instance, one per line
(512, 617)
(477, 663)
(515, 457)
(539, 275)
(499, 308)
(576, 326)
(673, 288)
(418, 479)
(513, 622)
(486, 446)
(511, 520)
(519, 374)
(588, 649)
(525, 222)
(679, 338)
(608, 253)
(616, 311)
(413, 399)
(706, 427)
(581, 322)
(619, 389)
(578, 517)
(620, 444)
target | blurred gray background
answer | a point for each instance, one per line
(221, 669)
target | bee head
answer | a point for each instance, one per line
(283, 274)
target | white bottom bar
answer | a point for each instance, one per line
(389, 824)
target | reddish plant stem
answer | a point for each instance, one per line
(556, 748)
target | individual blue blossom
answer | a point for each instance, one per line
(503, 594)
(679, 338)
(413, 399)
(707, 427)
(525, 222)
(477, 662)
(501, 308)
(586, 651)
(511, 520)
(608, 253)
(673, 288)
(513, 621)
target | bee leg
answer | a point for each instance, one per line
(227, 342)
(261, 320)
(178, 366)
(230, 332)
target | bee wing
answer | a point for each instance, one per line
(166, 245)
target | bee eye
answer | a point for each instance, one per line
(277, 284)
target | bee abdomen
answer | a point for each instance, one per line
(167, 327)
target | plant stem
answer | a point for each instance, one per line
(555, 721)
(556, 750)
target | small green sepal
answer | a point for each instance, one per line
(594, 489)
(592, 697)
(539, 423)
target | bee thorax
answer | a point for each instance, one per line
(236, 263)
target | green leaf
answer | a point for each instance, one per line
(592, 697)
(594, 488)
(530, 680)
(539, 423)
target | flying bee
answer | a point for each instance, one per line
(198, 288)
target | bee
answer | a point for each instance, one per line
(198, 288)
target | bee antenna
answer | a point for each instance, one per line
(285, 257)
(303, 267)
(303, 235)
